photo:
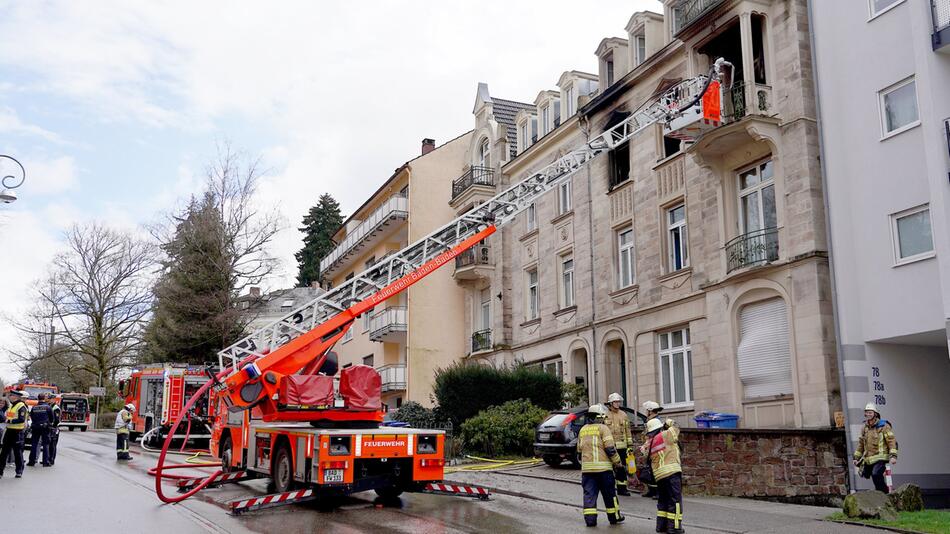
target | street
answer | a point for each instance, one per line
(87, 491)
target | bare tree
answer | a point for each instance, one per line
(95, 298)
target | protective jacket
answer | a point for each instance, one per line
(123, 421)
(665, 453)
(595, 444)
(16, 416)
(619, 427)
(57, 415)
(877, 443)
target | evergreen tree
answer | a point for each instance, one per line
(319, 225)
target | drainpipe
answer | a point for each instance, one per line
(831, 261)
(593, 393)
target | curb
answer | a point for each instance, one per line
(878, 527)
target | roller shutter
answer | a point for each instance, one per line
(765, 365)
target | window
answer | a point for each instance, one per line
(676, 367)
(564, 197)
(532, 309)
(625, 258)
(484, 310)
(553, 367)
(545, 119)
(764, 359)
(570, 101)
(368, 360)
(677, 242)
(912, 235)
(567, 281)
(609, 69)
(640, 47)
(880, 6)
(757, 198)
(484, 153)
(899, 107)
(531, 218)
(670, 146)
(348, 335)
(288, 303)
(525, 140)
(619, 165)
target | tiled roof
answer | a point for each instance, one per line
(505, 111)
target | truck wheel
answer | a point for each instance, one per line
(552, 460)
(389, 492)
(282, 469)
(81, 429)
(226, 455)
(73, 428)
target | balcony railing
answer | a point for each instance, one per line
(476, 175)
(477, 255)
(387, 321)
(481, 340)
(754, 248)
(395, 207)
(761, 101)
(393, 377)
(940, 11)
(687, 12)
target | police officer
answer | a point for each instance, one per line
(652, 410)
(41, 416)
(16, 416)
(54, 431)
(619, 426)
(123, 423)
(599, 460)
(663, 450)
(876, 447)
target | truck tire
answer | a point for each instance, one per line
(74, 428)
(226, 451)
(81, 429)
(282, 469)
(389, 492)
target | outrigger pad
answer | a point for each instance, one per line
(311, 391)
(360, 387)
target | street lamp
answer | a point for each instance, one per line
(10, 182)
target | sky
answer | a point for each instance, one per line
(114, 108)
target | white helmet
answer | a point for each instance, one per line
(597, 410)
(654, 424)
(615, 397)
(872, 408)
(130, 407)
(651, 406)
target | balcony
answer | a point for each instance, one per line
(940, 12)
(393, 377)
(473, 264)
(389, 325)
(742, 94)
(481, 340)
(686, 12)
(754, 248)
(475, 178)
(369, 232)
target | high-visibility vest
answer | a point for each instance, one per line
(11, 415)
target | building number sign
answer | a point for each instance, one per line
(878, 386)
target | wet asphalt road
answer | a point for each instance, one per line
(87, 491)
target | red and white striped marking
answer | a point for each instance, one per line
(887, 478)
(452, 489)
(274, 499)
(224, 478)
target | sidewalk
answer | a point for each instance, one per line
(707, 514)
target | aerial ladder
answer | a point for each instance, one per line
(252, 370)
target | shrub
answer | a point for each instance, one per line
(464, 389)
(419, 416)
(573, 395)
(505, 429)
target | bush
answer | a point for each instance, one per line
(505, 429)
(419, 416)
(465, 389)
(573, 395)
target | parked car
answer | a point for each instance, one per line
(555, 439)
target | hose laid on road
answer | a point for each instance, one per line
(491, 464)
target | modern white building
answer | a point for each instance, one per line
(883, 75)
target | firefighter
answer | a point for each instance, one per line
(876, 447)
(41, 417)
(599, 461)
(664, 453)
(123, 423)
(16, 416)
(54, 432)
(652, 410)
(619, 427)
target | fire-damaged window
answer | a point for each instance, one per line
(619, 163)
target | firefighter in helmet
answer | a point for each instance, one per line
(652, 410)
(876, 447)
(599, 461)
(123, 424)
(662, 448)
(619, 426)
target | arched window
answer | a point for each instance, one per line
(765, 362)
(484, 153)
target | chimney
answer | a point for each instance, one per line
(428, 145)
(255, 292)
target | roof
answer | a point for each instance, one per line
(504, 112)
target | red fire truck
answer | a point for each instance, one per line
(33, 390)
(75, 411)
(159, 393)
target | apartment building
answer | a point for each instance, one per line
(691, 273)
(410, 336)
(885, 141)
(260, 310)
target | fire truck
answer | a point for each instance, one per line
(279, 410)
(160, 393)
(33, 390)
(75, 411)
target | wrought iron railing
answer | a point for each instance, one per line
(477, 255)
(481, 340)
(393, 377)
(761, 100)
(386, 320)
(475, 175)
(754, 248)
(687, 12)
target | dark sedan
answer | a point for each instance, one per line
(555, 439)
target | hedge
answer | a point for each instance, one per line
(505, 429)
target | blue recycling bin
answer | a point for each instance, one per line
(716, 420)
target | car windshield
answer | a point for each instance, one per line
(34, 391)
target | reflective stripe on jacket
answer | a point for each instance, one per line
(877, 443)
(123, 421)
(596, 447)
(16, 416)
(665, 453)
(619, 427)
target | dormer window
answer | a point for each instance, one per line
(639, 49)
(484, 153)
(570, 97)
(609, 68)
(523, 135)
(545, 119)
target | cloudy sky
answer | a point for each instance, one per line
(115, 107)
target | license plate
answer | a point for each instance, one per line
(544, 436)
(333, 475)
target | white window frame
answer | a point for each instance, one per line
(348, 335)
(566, 280)
(483, 321)
(895, 236)
(525, 138)
(757, 188)
(484, 152)
(545, 116)
(609, 72)
(882, 94)
(532, 308)
(639, 58)
(564, 203)
(875, 14)
(627, 251)
(673, 228)
(670, 351)
(531, 218)
(570, 101)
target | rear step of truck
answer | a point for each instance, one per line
(225, 478)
